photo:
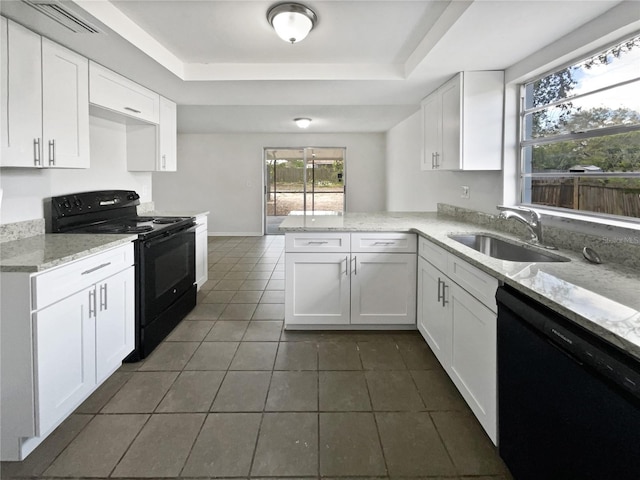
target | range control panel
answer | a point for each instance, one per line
(85, 202)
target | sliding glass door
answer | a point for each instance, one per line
(303, 181)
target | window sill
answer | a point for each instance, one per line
(585, 218)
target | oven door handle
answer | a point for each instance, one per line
(169, 235)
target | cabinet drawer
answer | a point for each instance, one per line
(433, 254)
(475, 281)
(317, 242)
(383, 242)
(60, 282)
(115, 92)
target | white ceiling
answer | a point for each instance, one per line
(364, 67)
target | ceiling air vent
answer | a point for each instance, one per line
(57, 11)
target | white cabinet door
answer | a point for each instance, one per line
(431, 131)
(21, 104)
(64, 357)
(451, 118)
(434, 316)
(115, 322)
(383, 288)
(317, 288)
(473, 356)
(168, 136)
(117, 93)
(202, 267)
(65, 107)
(462, 123)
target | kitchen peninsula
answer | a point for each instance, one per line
(601, 298)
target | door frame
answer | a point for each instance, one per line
(304, 150)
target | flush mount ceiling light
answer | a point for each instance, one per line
(302, 122)
(292, 21)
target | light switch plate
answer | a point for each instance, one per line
(465, 191)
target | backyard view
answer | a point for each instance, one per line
(300, 181)
(581, 135)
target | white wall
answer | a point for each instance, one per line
(223, 174)
(411, 189)
(24, 189)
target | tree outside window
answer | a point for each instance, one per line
(581, 135)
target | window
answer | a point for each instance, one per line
(580, 135)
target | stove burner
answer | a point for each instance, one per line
(163, 220)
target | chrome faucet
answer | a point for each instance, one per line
(529, 217)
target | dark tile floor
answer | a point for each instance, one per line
(230, 394)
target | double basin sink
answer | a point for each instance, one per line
(502, 249)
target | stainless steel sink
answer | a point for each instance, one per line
(502, 249)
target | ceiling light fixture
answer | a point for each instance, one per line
(302, 122)
(292, 21)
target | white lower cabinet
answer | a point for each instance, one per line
(64, 358)
(461, 329)
(64, 331)
(317, 288)
(434, 320)
(202, 252)
(383, 288)
(329, 281)
(114, 317)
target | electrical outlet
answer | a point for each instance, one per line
(465, 191)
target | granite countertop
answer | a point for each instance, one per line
(41, 252)
(602, 298)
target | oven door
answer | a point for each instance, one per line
(167, 271)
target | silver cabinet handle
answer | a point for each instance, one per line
(316, 242)
(355, 265)
(92, 303)
(96, 268)
(132, 110)
(36, 152)
(103, 296)
(346, 265)
(433, 160)
(52, 152)
(437, 160)
(442, 296)
(164, 162)
(384, 243)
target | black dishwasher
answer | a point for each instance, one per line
(568, 403)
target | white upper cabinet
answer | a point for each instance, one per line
(168, 136)
(109, 90)
(45, 102)
(462, 123)
(21, 96)
(153, 148)
(65, 107)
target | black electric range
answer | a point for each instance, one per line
(164, 256)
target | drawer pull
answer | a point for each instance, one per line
(91, 270)
(132, 110)
(317, 242)
(384, 243)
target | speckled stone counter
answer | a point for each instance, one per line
(604, 299)
(41, 252)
